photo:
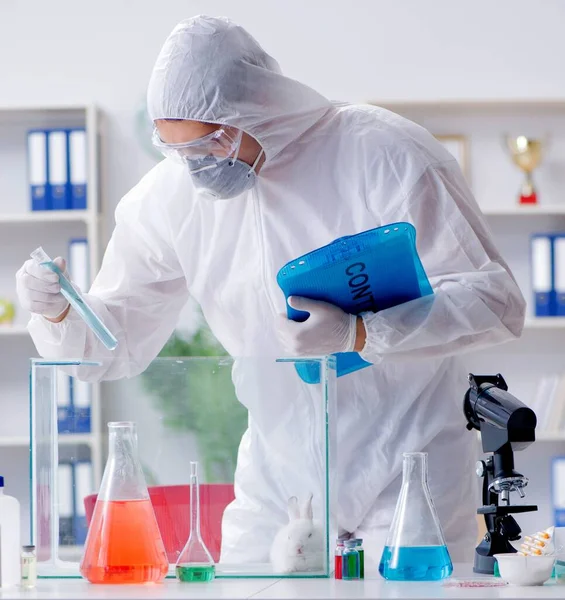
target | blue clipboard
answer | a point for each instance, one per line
(366, 272)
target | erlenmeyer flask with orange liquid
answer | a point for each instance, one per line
(124, 544)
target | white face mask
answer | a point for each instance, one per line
(224, 180)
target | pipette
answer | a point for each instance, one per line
(77, 301)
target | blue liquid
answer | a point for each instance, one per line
(415, 563)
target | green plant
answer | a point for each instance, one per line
(198, 396)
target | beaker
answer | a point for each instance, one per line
(124, 544)
(195, 562)
(415, 549)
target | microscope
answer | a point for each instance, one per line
(506, 425)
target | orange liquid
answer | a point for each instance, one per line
(124, 544)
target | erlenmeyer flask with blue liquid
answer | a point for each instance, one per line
(415, 549)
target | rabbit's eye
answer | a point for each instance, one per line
(310, 535)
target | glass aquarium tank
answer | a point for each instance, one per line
(246, 422)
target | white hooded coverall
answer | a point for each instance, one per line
(331, 170)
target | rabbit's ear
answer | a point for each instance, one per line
(293, 510)
(307, 512)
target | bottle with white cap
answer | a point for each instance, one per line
(9, 539)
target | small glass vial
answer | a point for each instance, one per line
(338, 564)
(29, 567)
(350, 561)
(361, 558)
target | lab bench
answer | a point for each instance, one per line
(372, 587)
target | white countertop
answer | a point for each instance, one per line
(371, 587)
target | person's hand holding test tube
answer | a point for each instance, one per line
(76, 300)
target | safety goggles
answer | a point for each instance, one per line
(213, 148)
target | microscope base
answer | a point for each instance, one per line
(493, 543)
(484, 564)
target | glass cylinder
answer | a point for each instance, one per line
(415, 549)
(124, 544)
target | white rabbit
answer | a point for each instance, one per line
(299, 545)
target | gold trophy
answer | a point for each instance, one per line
(526, 154)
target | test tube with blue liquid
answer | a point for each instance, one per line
(76, 300)
(415, 549)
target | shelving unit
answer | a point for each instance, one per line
(495, 180)
(525, 211)
(460, 108)
(51, 216)
(545, 323)
(87, 439)
(550, 436)
(12, 330)
(23, 230)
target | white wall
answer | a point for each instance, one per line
(76, 52)
(63, 52)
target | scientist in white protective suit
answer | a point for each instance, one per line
(261, 169)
